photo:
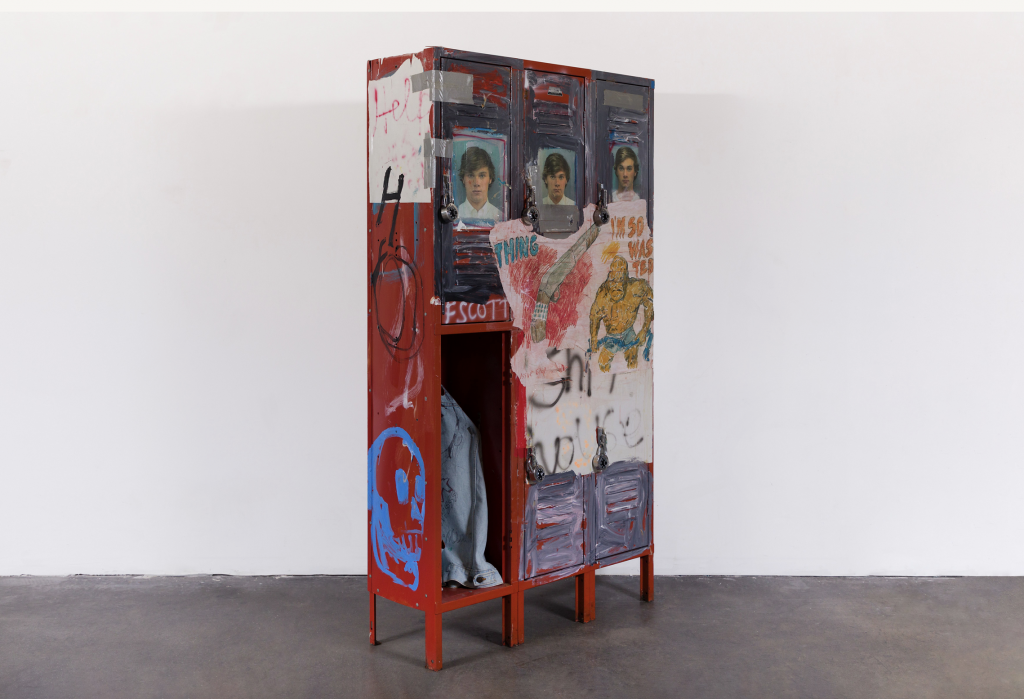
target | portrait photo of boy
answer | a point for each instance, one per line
(625, 170)
(476, 174)
(479, 176)
(556, 175)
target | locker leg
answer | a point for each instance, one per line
(512, 619)
(520, 617)
(647, 577)
(433, 641)
(585, 607)
(373, 619)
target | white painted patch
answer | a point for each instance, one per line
(569, 396)
(531, 361)
(399, 119)
(562, 419)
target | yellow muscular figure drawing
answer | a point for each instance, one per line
(617, 303)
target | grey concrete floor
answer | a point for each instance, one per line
(221, 636)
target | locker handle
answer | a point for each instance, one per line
(531, 214)
(534, 473)
(600, 462)
(449, 212)
(601, 215)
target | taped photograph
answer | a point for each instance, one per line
(625, 173)
(480, 167)
(557, 176)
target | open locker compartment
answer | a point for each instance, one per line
(474, 373)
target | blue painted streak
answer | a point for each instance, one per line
(625, 340)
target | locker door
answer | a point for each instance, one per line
(622, 509)
(480, 136)
(619, 147)
(554, 143)
(620, 119)
(553, 525)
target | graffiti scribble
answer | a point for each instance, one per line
(397, 286)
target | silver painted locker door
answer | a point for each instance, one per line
(621, 511)
(553, 525)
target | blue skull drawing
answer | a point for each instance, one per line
(397, 498)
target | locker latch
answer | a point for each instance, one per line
(531, 214)
(600, 461)
(534, 473)
(601, 215)
(449, 212)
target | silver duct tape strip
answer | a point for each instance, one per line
(445, 87)
(532, 174)
(434, 148)
(429, 172)
(626, 100)
(437, 147)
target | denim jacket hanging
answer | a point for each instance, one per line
(463, 501)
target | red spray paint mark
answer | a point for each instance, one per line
(520, 408)
(563, 313)
(491, 86)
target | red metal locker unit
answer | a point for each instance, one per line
(509, 259)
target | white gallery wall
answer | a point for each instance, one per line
(840, 227)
